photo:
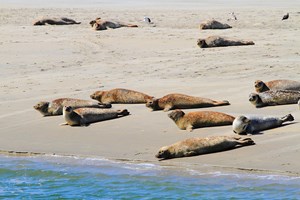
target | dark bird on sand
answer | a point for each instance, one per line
(285, 16)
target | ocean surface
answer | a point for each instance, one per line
(56, 177)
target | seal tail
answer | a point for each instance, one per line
(123, 112)
(287, 118)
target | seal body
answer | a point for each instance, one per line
(217, 41)
(254, 124)
(213, 24)
(261, 86)
(55, 21)
(182, 101)
(120, 95)
(86, 116)
(99, 24)
(199, 119)
(55, 107)
(274, 97)
(198, 146)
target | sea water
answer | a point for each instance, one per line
(63, 177)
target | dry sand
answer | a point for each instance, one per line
(48, 62)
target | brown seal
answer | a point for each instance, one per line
(86, 116)
(254, 124)
(55, 21)
(98, 24)
(213, 24)
(217, 41)
(261, 86)
(182, 101)
(119, 95)
(274, 97)
(55, 107)
(198, 146)
(199, 119)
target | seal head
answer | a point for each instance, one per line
(240, 125)
(176, 115)
(256, 100)
(260, 86)
(152, 104)
(42, 107)
(164, 153)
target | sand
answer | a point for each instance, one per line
(48, 62)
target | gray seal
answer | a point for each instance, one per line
(213, 24)
(198, 146)
(55, 107)
(182, 101)
(254, 124)
(274, 97)
(199, 119)
(261, 86)
(217, 41)
(55, 21)
(86, 116)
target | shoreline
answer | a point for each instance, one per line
(206, 169)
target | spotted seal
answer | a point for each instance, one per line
(182, 101)
(55, 107)
(86, 116)
(120, 95)
(261, 86)
(199, 146)
(274, 97)
(217, 41)
(199, 119)
(55, 21)
(213, 24)
(254, 124)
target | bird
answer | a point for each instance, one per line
(232, 16)
(285, 16)
(147, 20)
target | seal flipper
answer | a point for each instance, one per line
(287, 118)
(167, 108)
(189, 128)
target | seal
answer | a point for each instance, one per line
(98, 24)
(86, 116)
(182, 101)
(274, 97)
(120, 95)
(254, 124)
(213, 24)
(199, 119)
(299, 103)
(55, 21)
(217, 41)
(199, 146)
(261, 86)
(55, 107)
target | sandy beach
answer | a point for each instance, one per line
(42, 63)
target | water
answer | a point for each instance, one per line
(91, 178)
